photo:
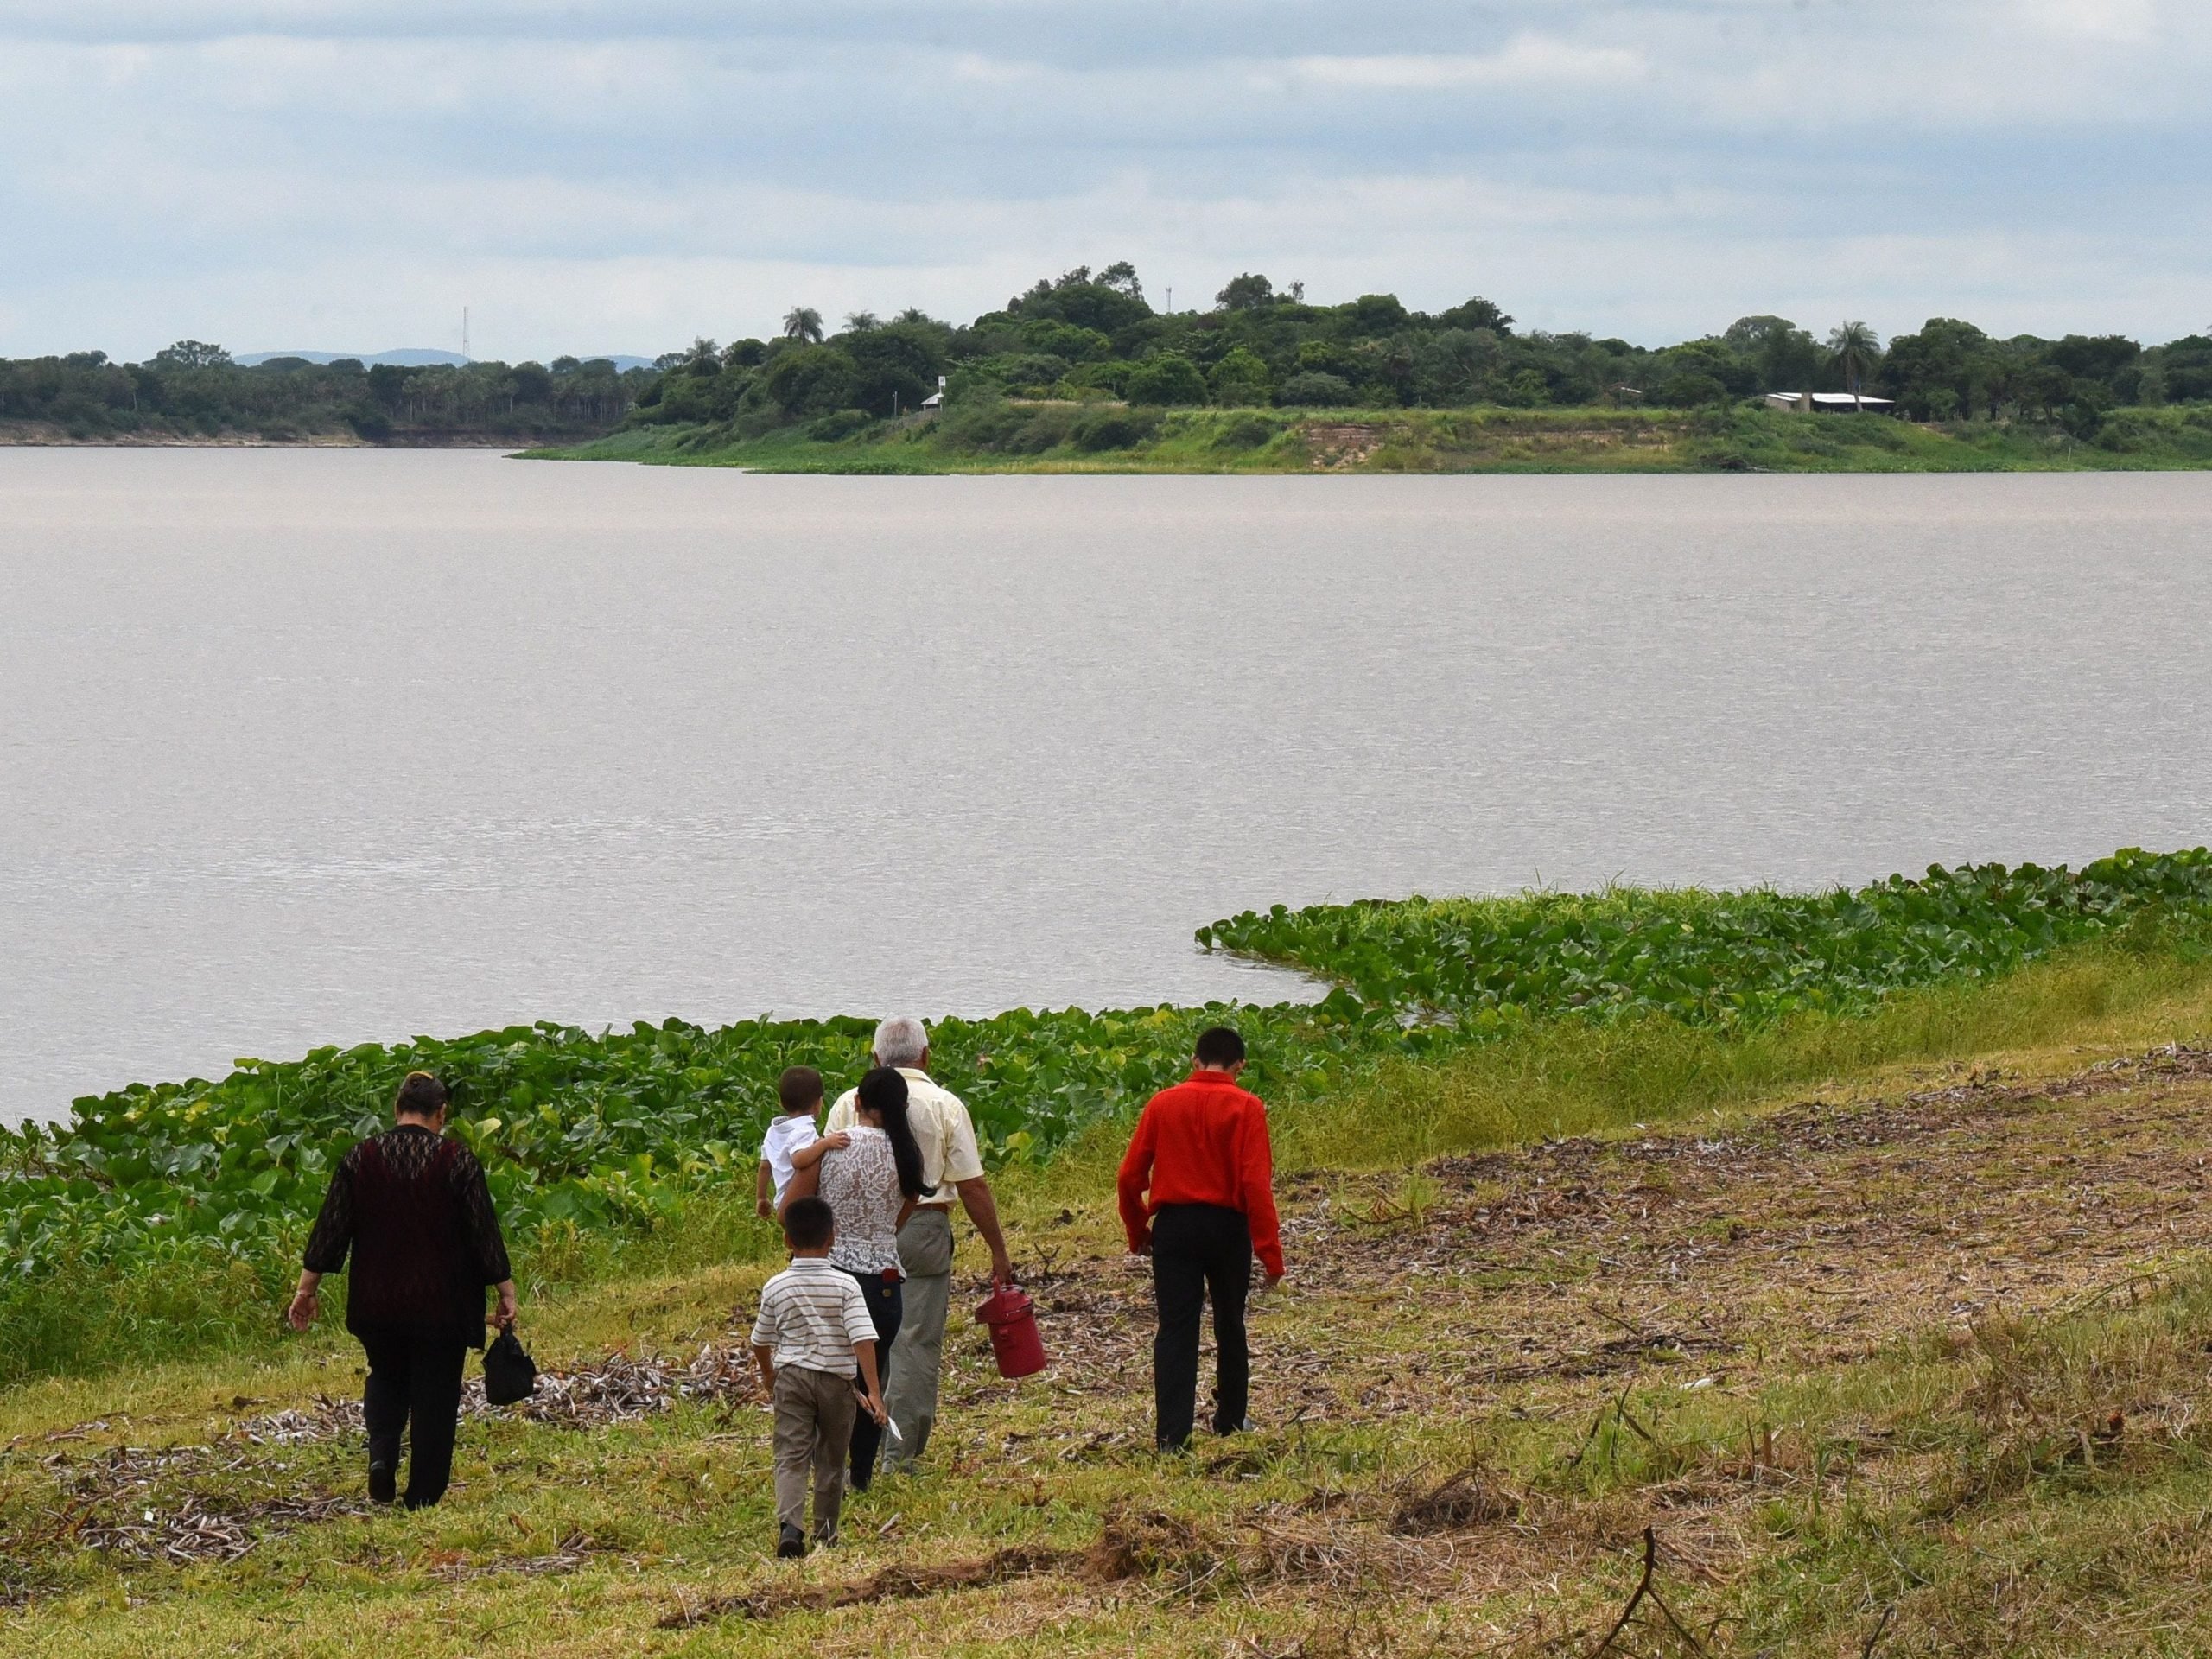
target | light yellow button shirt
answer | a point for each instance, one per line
(942, 1127)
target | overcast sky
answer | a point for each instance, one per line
(592, 176)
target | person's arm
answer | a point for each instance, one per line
(764, 1190)
(983, 1209)
(906, 1209)
(804, 1184)
(860, 1331)
(764, 1345)
(871, 1394)
(964, 1168)
(1256, 1182)
(484, 1238)
(1130, 1185)
(808, 1156)
(328, 1243)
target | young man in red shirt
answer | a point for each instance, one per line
(1202, 1148)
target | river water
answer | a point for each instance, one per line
(303, 746)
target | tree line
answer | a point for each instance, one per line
(194, 389)
(1091, 335)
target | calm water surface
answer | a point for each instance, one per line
(300, 748)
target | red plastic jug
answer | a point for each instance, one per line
(1015, 1344)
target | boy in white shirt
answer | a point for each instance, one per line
(790, 1142)
(813, 1333)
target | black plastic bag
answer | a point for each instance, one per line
(510, 1373)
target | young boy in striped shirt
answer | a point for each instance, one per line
(813, 1333)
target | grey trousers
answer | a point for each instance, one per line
(926, 1252)
(814, 1426)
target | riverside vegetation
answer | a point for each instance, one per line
(1908, 1365)
(1082, 373)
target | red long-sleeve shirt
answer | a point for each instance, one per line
(1204, 1141)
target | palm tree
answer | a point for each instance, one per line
(860, 322)
(1856, 348)
(803, 322)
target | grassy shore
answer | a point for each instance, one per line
(1091, 438)
(1889, 1327)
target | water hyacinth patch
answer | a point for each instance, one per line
(1718, 957)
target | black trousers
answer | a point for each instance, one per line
(887, 1306)
(414, 1385)
(1200, 1251)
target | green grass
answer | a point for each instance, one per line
(1934, 1479)
(1011, 436)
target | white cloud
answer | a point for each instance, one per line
(1526, 59)
(2130, 21)
(593, 176)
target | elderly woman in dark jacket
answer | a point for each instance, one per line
(414, 1209)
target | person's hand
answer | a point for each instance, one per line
(504, 1315)
(872, 1403)
(836, 1141)
(300, 1314)
(764, 1209)
(1269, 1283)
(1144, 1248)
(1001, 1267)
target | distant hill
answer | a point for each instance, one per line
(422, 357)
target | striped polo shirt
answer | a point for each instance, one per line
(812, 1314)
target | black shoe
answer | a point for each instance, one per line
(383, 1483)
(791, 1543)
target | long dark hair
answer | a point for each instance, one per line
(883, 1092)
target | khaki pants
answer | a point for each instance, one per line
(813, 1426)
(926, 1252)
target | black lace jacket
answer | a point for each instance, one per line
(413, 1208)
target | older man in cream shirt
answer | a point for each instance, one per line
(952, 1165)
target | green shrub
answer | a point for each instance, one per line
(1247, 430)
(839, 424)
(1169, 378)
(1312, 389)
(1114, 428)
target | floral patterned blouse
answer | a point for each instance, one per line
(860, 1184)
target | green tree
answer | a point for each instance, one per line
(1856, 349)
(1477, 313)
(1241, 380)
(193, 354)
(1169, 377)
(1784, 357)
(1377, 313)
(1246, 293)
(895, 367)
(804, 324)
(812, 380)
(861, 322)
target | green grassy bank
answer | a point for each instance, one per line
(1007, 436)
(1847, 1241)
